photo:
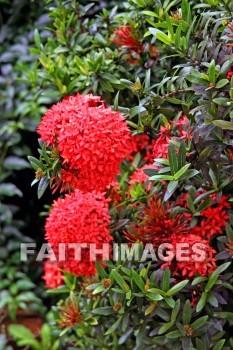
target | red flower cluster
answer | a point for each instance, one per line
(91, 140)
(128, 38)
(53, 276)
(176, 130)
(213, 219)
(191, 267)
(141, 144)
(139, 177)
(79, 218)
(157, 224)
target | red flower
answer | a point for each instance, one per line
(141, 144)
(78, 218)
(139, 177)
(126, 36)
(230, 74)
(53, 276)
(70, 314)
(91, 140)
(156, 224)
(114, 193)
(176, 130)
(192, 267)
(160, 149)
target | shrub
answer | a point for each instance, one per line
(167, 67)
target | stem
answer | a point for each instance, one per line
(173, 93)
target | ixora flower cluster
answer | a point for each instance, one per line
(157, 224)
(91, 140)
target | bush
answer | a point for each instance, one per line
(165, 66)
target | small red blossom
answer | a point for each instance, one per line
(192, 266)
(91, 140)
(126, 36)
(70, 314)
(230, 74)
(156, 224)
(140, 177)
(53, 276)
(175, 130)
(160, 149)
(79, 218)
(141, 144)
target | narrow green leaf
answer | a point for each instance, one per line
(181, 172)
(219, 344)
(120, 280)
(43, 184)
(214, 276)
(165, 284)
(201, 303)
(225, 125)
(199, 322)
(172, 157)
(187, 313)
(181, 155)
(175, 289)
(113, 326)
(162, 177)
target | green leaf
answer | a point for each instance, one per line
(175, 289)
(23, 336)
(165, 284)
(138, 280)
(199, 322)
(10, 190)
(162, 177)
(165, 327)
(221, 83)
(116, 99)
(45, 334)
(219, 344)
(105, 311)
(186, 12)
(201, 303)
(221, 101)
(120, 280)
(214, 276)
(161, 36)
(172, 157)
(98, 290)
(150, 308)
(113, 326)
(211, 71)
(37, 39)
(225, 125)
(15, 163)
(181, 172)
(150, 13)
(198, 280)
(173, 335)
(181, 155)
(175, 311)
(196, 80)
(172, 186)
(187, 313)
(43, 184)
